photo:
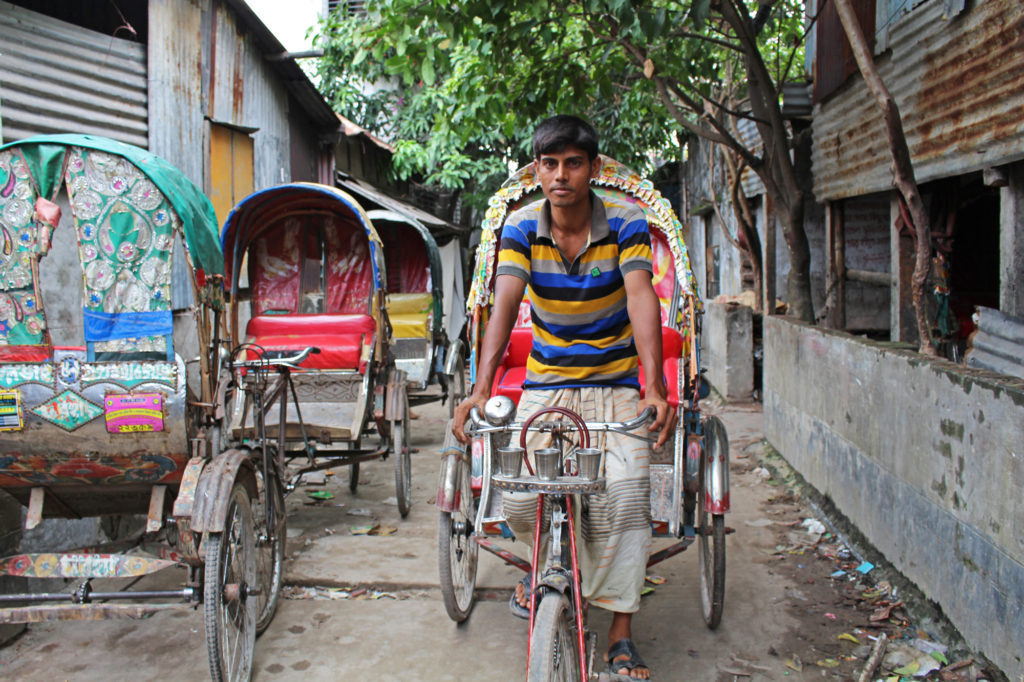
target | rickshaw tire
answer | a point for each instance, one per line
(403, 467)
(278, 549)
(553, 640)
(712, 571)
(219, 616)
(458, 599)
(353, 477)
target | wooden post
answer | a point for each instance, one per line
(903, 321)
(840, 244)
(769, 255)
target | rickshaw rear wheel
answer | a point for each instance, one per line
(270, 549)
(230, 572)
(554, 648)
(457, 553)
(403, 459)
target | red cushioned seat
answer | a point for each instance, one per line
(671, 352)
(511, 373)
(341, 338)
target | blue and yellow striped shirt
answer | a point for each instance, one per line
(582, 335)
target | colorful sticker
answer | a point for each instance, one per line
(134, 413)
(130, 374)
(10, 411)
(16, 375)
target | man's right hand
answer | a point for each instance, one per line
(462, 415)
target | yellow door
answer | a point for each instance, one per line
(231, 168)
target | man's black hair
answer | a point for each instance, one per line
(556, 133)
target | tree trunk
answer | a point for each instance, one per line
(902, 167)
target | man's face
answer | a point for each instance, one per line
(565, 176)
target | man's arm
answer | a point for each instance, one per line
(508, 294)
(645, 317)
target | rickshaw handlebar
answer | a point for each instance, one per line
(480, 426)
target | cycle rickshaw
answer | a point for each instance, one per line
(689, 484)
(109, 393)
(306, 269)
(434, 365)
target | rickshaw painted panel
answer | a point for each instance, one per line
(22, 242)
(126, 233)
(196, 213)
(274, 272)
(350, 271)
(81, 565)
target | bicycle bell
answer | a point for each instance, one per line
(499, 410)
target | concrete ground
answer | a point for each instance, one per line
(369, 606)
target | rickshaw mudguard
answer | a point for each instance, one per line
(453, 458)
(716, 463)
(213, 492)
(454, 358)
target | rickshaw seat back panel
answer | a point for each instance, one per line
(341, 338)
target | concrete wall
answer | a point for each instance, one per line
(924, 456)
(727, 349)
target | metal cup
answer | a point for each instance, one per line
(588, 463)
(549, 462)
(510, 461)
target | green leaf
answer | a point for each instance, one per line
(427, 71)
(396, 65)
(699, 11)
(939, 656)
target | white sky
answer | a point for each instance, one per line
(288, 20)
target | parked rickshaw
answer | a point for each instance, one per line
(306, 268)
(109, 392)
(434, 365)
(689, 483)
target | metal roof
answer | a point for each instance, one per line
(371, 193)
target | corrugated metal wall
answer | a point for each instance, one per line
(960, 88)
(61, 78)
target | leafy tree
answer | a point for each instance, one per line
(459, 85)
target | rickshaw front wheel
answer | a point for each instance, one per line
(458, 552)
(554, 648)
(230, 572)
(711, 547)
(403, 458)
(353, 477)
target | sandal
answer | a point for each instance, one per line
(624, 646)
(517, 609)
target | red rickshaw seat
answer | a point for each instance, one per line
(341, 337)
(511, 373)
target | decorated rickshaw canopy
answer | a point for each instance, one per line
(45, 156)
(263, 211)
(614, 180)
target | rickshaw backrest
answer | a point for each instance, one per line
(511, 374)
(410, 315)
(343, 339)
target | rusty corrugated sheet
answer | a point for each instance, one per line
(60, 78)
(960, 88)
(176, 71)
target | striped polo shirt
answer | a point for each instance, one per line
(582, 335)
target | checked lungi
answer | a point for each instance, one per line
(615, 524)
